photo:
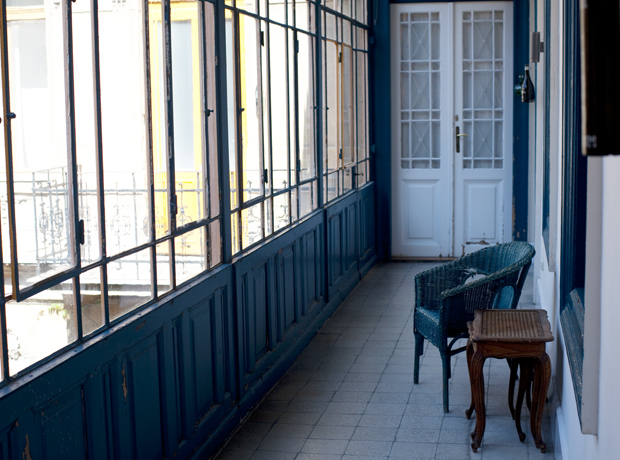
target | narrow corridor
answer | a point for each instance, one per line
(350, 394)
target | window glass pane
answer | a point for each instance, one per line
(129, 283)
(39, 326)
(43, 192)
(188, 112)
(251, 103)
(281, 211)
(304, 15)
(279, 98)
(361, 105)
(93, 316)
(305, 66)
(232, 111)
(294, 205)
(251, 225)
(268, 220)
(347, 180)
(4, 217)
(125, 139)
(189, 255)
(347, 105)
(159, 122)
(163, 254)
(291, 113)
(346, 7)
(277, 10)
(234, 232)
(306, 198)
(247, 5)
(213, 164)
(215, 242)
(362, 171)
(85, 125)
(332, 107)
(265, 178)
(332, 186)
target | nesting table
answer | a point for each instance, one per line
(519, 335)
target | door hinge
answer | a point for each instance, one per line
(265, 176)
(173, 205)
(297, 46)
(81, 232)
(262, 38)
(340, 56)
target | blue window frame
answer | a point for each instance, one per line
(573, 204)
(546, 130)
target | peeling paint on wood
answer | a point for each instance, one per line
(26, 454)
(124, 383)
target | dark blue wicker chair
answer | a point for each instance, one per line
(446, 297)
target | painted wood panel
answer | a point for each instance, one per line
(144, 389)
(63, 427)
(342, 252)
(366, 227)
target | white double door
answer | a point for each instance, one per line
(451, 127)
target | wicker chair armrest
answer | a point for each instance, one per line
(430, 284)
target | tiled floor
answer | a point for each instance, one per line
(350, 395)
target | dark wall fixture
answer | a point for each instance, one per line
(600, 95)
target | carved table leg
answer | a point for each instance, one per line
(524, 383)
(469, 353)
(542, 376)
(477, 385)
(514, 364)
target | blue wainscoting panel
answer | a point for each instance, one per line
(7, 444)
(175, 379)
(63, 428)
(367, 245)
(342, 248)
(142, 380)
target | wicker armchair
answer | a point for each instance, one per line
(446, 297)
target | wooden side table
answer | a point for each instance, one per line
(517, 334)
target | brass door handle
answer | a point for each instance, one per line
(458, 136)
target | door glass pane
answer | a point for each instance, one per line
(483, 89)
(420, 82)
(42, 177)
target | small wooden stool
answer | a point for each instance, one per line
(516, 334)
